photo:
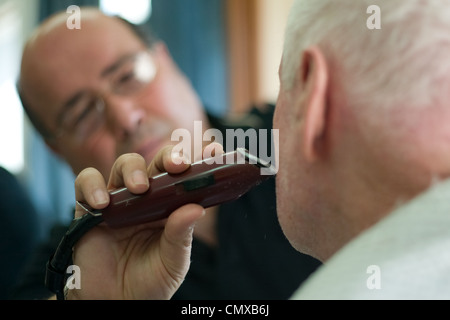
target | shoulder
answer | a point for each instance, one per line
(403, 256)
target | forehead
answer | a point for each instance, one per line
(62, 54)
(98, 41)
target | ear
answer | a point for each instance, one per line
(54, 147)
(160, 48)
(315, 83)
(163, 55)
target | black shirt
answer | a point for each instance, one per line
(19, 231)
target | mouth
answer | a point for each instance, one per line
(149, 149)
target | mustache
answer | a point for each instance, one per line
(153, 128)
(144, 134)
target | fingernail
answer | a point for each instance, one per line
(100, 197)
(139, 178)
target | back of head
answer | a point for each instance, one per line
(371, 114)
(404, 62)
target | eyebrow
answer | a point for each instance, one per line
(116, 65)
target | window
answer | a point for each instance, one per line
(11, 114)
(136, 11)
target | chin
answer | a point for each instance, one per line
(284, 211)
(287, 212)
(151, 153)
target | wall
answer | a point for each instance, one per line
(255, 38)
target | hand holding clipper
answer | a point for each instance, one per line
(207, 183)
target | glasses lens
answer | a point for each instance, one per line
(84, 117)
(92, 121)
(134, 74)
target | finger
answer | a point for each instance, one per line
(167, 161)
(177, 238)
(90, 188)
(129, 170)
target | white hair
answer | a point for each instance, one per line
(407, 61)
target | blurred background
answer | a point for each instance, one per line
(230, 49)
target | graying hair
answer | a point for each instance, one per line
(406, 61)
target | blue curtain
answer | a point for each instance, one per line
(194, 31)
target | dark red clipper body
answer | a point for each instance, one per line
(208, 183)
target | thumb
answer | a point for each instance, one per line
(177, 239)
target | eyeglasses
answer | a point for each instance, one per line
(84, 113)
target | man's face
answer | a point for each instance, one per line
(295, 183)
(78, 83)
(285, 180)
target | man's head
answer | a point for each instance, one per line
(100, 91)
(363, 115)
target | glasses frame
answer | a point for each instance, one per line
(146, 78)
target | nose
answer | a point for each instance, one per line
(123, 115)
